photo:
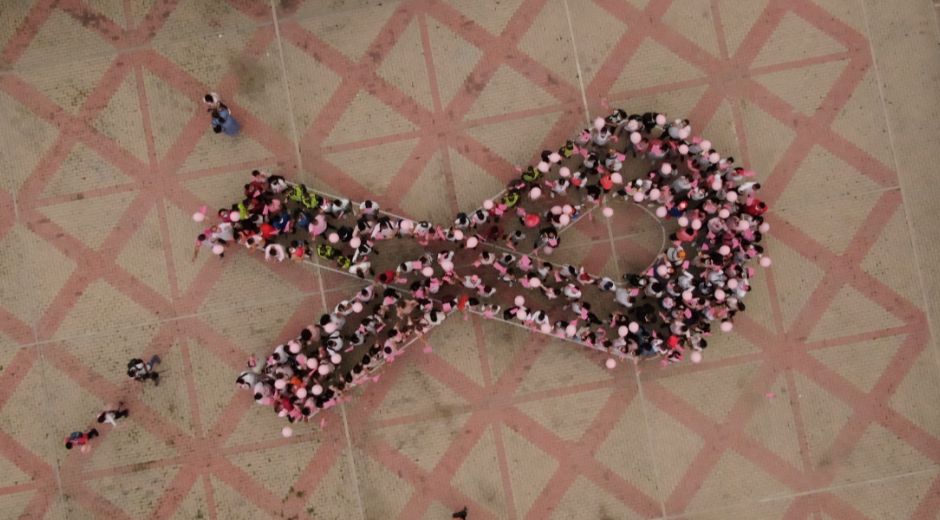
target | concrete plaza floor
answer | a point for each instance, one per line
(823, 403)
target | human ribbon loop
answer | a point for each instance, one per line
(663, 311)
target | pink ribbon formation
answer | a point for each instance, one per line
(478, 264)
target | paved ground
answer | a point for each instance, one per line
(822, 404)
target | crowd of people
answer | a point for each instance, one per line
(491, 260)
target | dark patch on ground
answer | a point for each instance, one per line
(251, 75)
(289, 5)
(90, 19)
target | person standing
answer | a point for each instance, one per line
(140, 371)
(224, 122)
(212, 101)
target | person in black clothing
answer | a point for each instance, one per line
(140, 371)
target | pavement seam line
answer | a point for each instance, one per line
(352, 462)
(577, 63)
(931, 328)
(649, 439)
(319, 271)
(290, 102)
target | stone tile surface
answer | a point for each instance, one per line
(820, 404)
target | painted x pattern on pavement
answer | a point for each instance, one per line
(820, 403)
